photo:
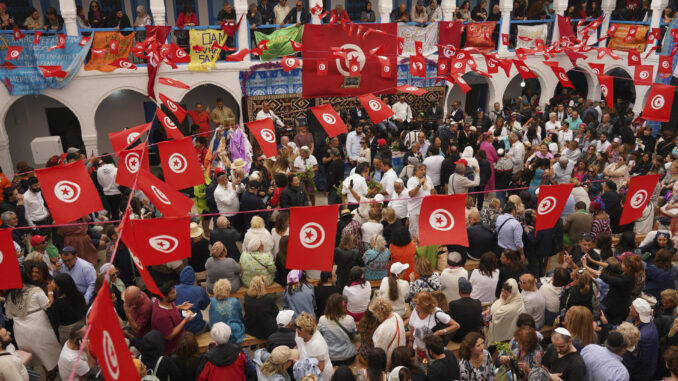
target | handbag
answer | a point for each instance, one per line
(441, 326)
(349, 334)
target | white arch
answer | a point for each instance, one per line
(229, 91)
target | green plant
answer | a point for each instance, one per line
(308, 177)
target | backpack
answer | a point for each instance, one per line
(153, 376)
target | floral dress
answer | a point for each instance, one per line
(429, 284)
(483, 373)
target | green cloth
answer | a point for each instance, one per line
(279, 42)
(52, 251)
(429, 252)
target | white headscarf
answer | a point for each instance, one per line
(468, 155)
(505, 315)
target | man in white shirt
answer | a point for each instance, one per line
(34, 204)
(423, 143)
(601, 146)
(226, 196)
(399, 200)
(402, 112)
(69, 359)
(516, 153)
(266, 112)
(353, 144)
(106, 175)
(356, 182)
(560, 113)
(552, 123)
(433, 163)
(564, 135)
(280, 11)
(388, 178)
(418, 187)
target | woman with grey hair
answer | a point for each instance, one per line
(143, 18)
(435, 13)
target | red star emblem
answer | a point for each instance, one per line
(439, 220)
(309, 234)
(177, 163)
(65, 191)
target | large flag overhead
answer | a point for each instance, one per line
(552, 199)
(442, 220)
(68, 191)
(9, 264)
(180, 164)
(344, 49)
(312, 237)
(638, 195)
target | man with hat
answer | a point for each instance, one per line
(604, 363)
(641, 312)
(80, 270)
(225, 361)
(466, 311)
(562, 359)
(285, 334)
(200, 248)
(39, 244)
(458, 183)
(282, 357)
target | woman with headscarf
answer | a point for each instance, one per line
(661, 241)
(96, 17)
(152, 347)
(601, 221)
(143, 18)
(504, 313)
(299, 295)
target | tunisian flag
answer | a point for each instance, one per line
(312, 234)
(524, 70)
(264, 132)
(122, 139)
(168, 201)
(9, 264)
(449, 34)
(160, 240)
(552, 199)
(127, 236)
(180, 164)
(177, 110)
(171, 129)
(642, 75)
(659, 103)
(129, 163)
(68, 191)
(606, 88)
(106, 340)
(637, 196)
(318, 41)
(157, 33)
(442, 220)
(562, 76)
(329, 119)
(376, 109)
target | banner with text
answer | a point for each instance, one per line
(428, 36)
(205, 60)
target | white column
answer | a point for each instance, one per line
(243, 30)
(385, 8)
(505, 7)
(607, 6)
(312, 3)
(559, 7)
(158, 12)
(91, 143)
(448, 9)
(657, 7)
(67, 9)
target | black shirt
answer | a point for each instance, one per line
(322, 293)
(260, 314)
(571, 365)
(200, 251)
(468, 313)
(283, 336)
(335, 174)
(445, 368)
(227, 236)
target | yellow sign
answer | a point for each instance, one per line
(205, 60)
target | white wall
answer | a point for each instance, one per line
(122, 109)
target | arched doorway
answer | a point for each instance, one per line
(579, 79)
(207, 94)
(478, 97)
(119, 110)
(32, 117)
(517, 87)
(623, 87)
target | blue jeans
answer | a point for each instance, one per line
(501, 195)
(332, 197)
(387, 126)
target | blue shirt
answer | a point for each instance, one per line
(511, 234)
(603, 365)
(225, 310)
(301, 300)
(647, 351)
(83, 275)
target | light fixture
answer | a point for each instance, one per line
(522, 84)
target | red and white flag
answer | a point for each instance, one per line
(123, 63)
(264, 131)
(598, 68)
(665, 66)
(122, 139)
(491, 63)
(177, 110)
(84, 40)
(322, 68)
(642, 75)
(113, 47)
(418, 66)
(169, 202)
(401, 45)
(312, 236)
(411, 89)
(171, 129)
(443, 66)
(633, 58)
(296, 46)
(353, 68)
(523, 70)
(633, 29)
(562, 76)
(106, 341)
(179, 55)
(238, 56)
(376, 109)
(653, 36)
(52, 71)
(18, 34)
(13, 52)
(128, 239)
(442, 220)
(552, 199)
(173, 83)
(418, 48)
(505, 39)
(161, 240)
(68, 191)
(329, 119)
(9, 264)
(289, 63)
(637, 196)
(659, 103)
(129, 163)
(61, 43)
(386, 67)
(180, 164)
(607, 88)
(459, 80)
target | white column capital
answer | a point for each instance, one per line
(384, 8)
(243, 31)
(560, 6)
(68, 12)
(447, 7)
(312, 3)
(91, 143)
(158, 11)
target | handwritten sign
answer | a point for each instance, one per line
(207, 58)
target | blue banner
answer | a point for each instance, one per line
(277, 82)
(26, 78)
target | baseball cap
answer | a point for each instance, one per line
(37, 239)
(643, 308)
(283, 354)
(284, 318)
(398, 267)
(461, 161)
(220, 332)
(465, 286)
